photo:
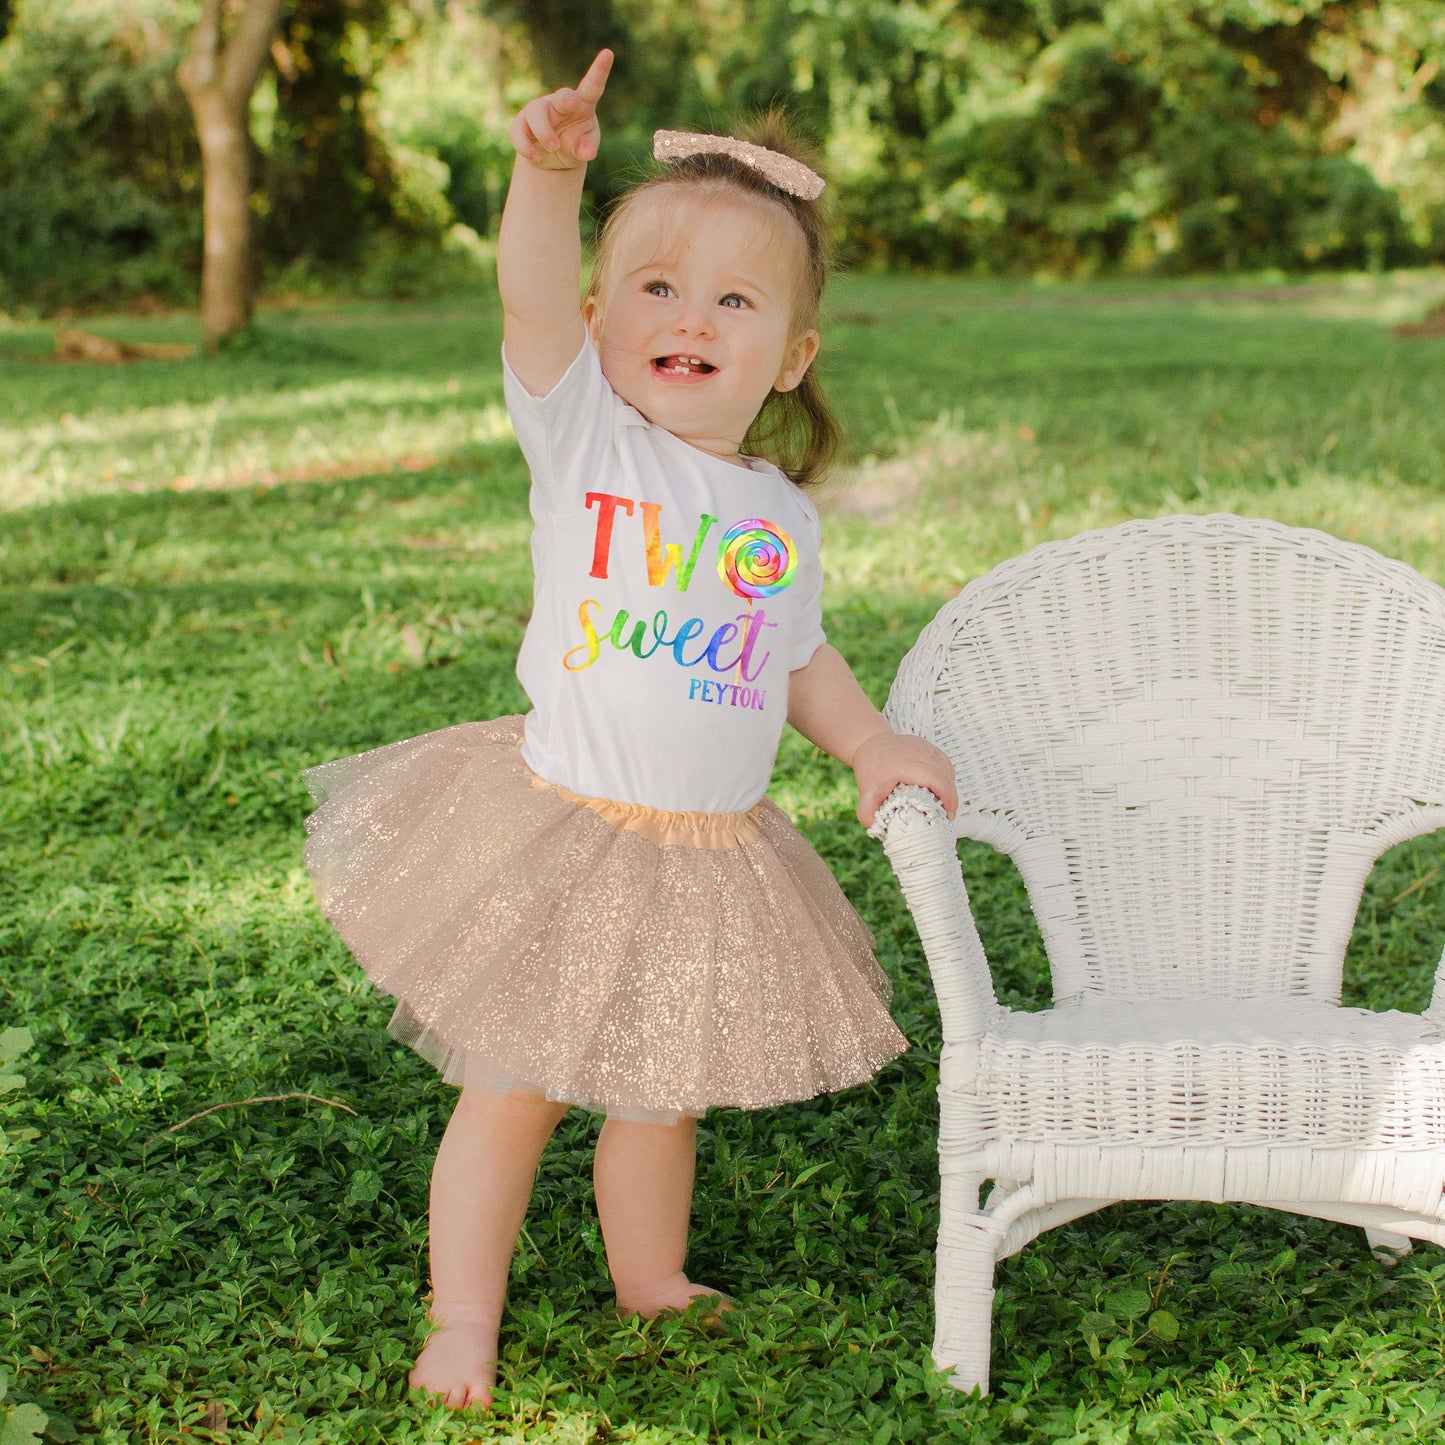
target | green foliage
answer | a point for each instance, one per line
(1139, 145)
(319, 545)
(444, 100)
(100, 178)
(99, 166)
(328, 185)
(1098, 137)
(1065, 137)
(1071, 138)
(1388, 63)
(13, 1043)
(19, 1424)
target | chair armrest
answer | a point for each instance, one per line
(921, 845)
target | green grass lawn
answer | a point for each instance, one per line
(216, 574)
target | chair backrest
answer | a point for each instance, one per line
(1194, 736)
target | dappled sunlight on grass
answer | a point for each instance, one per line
(377, 520)
(179, 899)
(340, 428)
(936, 553)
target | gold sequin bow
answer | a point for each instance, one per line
(783, 171)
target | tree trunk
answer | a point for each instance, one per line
(226, 292)
(566, 36)
(327, 176)
(218, 83)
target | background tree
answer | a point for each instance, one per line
(329, 181)
(100, 179)
(218, 80)
(1002, 136)
(565, 37)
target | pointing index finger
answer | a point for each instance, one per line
(591, 86)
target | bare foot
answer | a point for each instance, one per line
(459, 1360)
(673, 1296)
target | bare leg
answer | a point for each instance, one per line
(643, 1175)
(480, 1185)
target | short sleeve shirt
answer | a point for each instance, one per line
(674, 592)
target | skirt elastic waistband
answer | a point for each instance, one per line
(709, 831)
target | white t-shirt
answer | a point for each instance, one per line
(674, 592)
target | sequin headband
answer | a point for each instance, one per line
(783, 171)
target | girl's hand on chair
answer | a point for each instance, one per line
(885, 760)
(559, 132)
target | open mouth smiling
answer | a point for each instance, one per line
(684, 368)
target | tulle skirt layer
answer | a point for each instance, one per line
(644, 963)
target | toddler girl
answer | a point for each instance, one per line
(595, 904)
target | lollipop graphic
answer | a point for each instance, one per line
(756, 558)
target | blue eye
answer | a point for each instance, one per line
(733, 296)
(653, 287)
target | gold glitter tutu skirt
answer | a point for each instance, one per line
(644, 963)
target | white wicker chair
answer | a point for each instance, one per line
(1194, 736)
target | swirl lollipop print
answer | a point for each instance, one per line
(756, 558)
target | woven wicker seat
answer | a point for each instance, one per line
(1194, 736)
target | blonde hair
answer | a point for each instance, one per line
(796, 430)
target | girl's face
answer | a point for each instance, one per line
(693, 324)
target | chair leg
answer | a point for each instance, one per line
(963, 1289)
(1388, 1247)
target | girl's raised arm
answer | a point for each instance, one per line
(539, 252)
